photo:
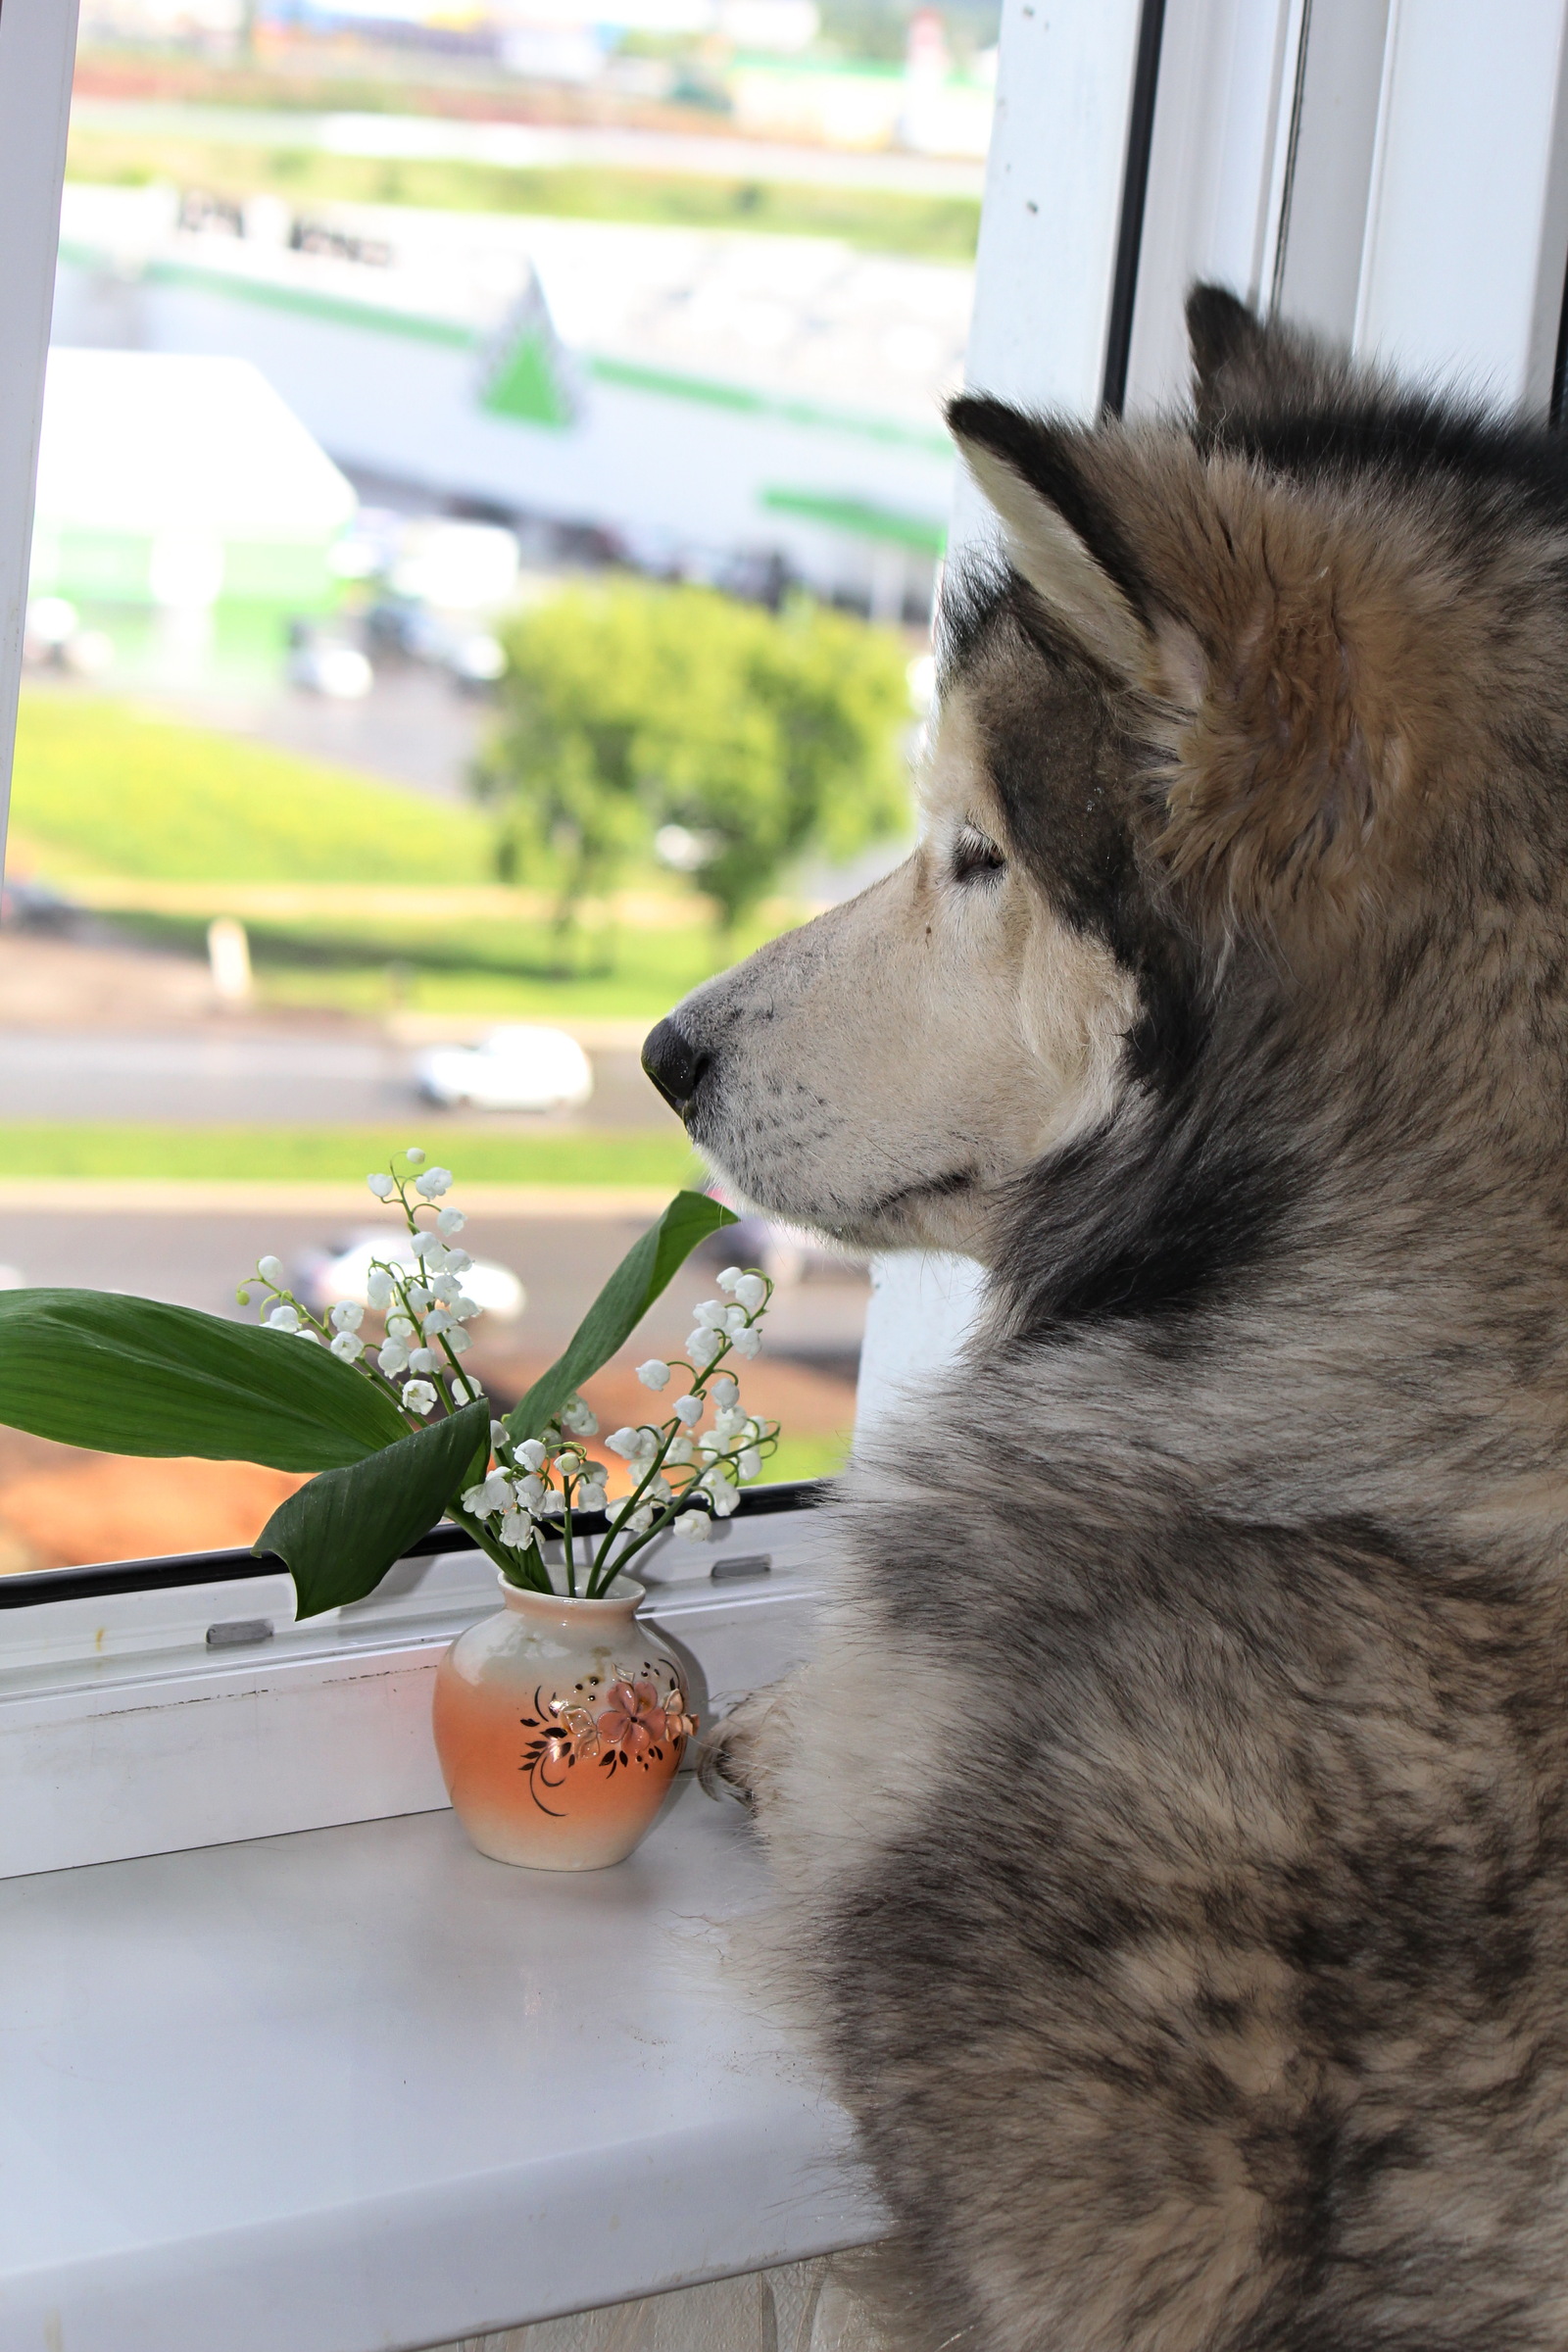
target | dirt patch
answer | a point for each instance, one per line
(61, 1508)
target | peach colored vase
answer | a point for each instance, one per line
(560, 1725)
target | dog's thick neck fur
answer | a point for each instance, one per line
(1341, 1108)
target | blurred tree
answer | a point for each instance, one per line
(736, 736)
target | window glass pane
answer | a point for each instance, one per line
(402, 354)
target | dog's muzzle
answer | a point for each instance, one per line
(675, 1066)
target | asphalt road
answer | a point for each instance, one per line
(198, 1260)
(202, 1076)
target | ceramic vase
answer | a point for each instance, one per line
(561, 1726)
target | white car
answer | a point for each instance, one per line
(334, 1276)
(516, 1068)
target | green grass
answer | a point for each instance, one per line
(582, 1155)
(807, 1457)
(99, 789)
(102, 789)
(941, 229)
(477, 968)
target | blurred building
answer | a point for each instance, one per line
(696, 400)
(181, 482)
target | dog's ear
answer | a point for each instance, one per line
(1247, 367)
(1060, 537)
(1274, 643)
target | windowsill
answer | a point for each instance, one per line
(360, 2090)
(124, 1733)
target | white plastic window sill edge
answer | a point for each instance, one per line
(124, 1733)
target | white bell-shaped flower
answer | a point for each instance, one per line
(690, 1410)
(655, 1373)
(271, 1270)
(348, 1347)
(283, 1317)
(418, 1396)
(451, 1220)
(750, 1292)
(347, 1315)
(381, 1186)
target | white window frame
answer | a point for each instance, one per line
(37, 57)
(1395, 172)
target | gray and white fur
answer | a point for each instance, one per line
(1170, 1828)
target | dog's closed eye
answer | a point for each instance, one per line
(976, 856)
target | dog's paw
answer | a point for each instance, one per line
(731, 1760)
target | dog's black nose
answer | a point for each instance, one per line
(674, 1065)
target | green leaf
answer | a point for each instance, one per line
(341, 1534)
(135, 1376)
(641, 1274)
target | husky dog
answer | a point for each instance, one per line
(1172, 1829)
